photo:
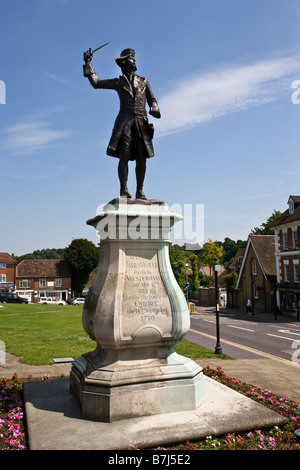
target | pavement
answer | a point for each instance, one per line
(13, 365)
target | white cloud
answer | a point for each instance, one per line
(30, 136)
(201, 98)
(64, 81)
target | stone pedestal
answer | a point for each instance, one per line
(136, 313)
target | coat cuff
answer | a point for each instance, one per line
(154, 110)
(88, 69)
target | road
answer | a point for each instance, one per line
(244, 337)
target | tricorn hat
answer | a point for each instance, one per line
(124, 54)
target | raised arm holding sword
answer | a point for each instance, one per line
(132, 134)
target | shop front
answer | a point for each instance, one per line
(58, 294)
(289, 297)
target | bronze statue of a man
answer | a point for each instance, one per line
(132, 134)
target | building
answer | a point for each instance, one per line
(7, 272)
(237, 260)
(287, 255)
(208, 271)
(89, 284)
(257, 276)
(37, 278)
(207, 295)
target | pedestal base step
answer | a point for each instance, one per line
(123, 391)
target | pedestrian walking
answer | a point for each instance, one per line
(249, 307)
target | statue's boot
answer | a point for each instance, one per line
(140, 194)
(140, 171)
(123, 176)
(124, 193)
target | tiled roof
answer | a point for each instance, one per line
(44, 268)
(239, 254)
(264, 246)
(6, 258)
(286, 217)
(91, 279)
(207, 271)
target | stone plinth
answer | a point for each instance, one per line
(136, 313)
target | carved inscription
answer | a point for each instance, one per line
(145, 300)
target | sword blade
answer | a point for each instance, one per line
(100, 47)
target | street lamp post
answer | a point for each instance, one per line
(218, 348)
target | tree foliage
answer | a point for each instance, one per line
(178, 260)
(230, 281)
(212, 251)
(47, 253)
(194, 276)
(265, 229)
(230, 248)
(82, 256)
(206, 281)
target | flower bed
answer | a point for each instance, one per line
(13, 436)
(272, 439)
(12, 428)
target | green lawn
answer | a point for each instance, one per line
(38, 333)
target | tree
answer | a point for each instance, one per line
(264, 229)
(178, 259)
(230, 248)
(194, 277)
(47, 253)
(230, 281)
(82, 256)
(206, 281)
(212, 251)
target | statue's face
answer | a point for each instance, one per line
(129, 63)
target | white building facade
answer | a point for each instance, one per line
(287, 256)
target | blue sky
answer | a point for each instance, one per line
(222, 72)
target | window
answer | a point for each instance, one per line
(2, 277)
(58, 282)
(2, 265)
(286, 273)
(254, 272)
(50, 294)
(42, 282)
(24, 283)
(296, 273)
(295, 239)
(255, 291)
(287, 301)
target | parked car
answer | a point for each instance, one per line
(51, 301)
(78, 301)
(9, 297)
